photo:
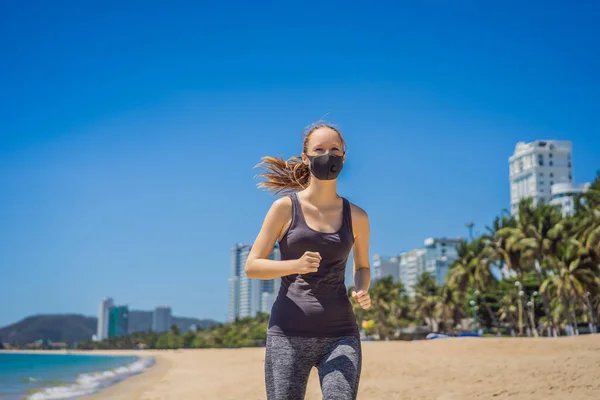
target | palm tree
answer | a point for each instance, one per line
(505, 243)
(450, 308)
(426, 300)
(471, 272)
(508, 311)
(589, 309)
(557, 320)
(471, 268)
(587, 229)
(576, 274)
(536, 235)
(595, 306)
(592, 196)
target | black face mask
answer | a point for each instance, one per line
(326, 167)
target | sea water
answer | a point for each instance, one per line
(63, 376)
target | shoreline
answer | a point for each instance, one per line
(133, 386)
(97, 382)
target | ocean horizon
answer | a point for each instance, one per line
(39, 376)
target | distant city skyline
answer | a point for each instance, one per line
(435, 257)
(113, 319)
(127, 154)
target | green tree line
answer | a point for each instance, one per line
(244, 332)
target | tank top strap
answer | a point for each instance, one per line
(296, 210)
(347, 215)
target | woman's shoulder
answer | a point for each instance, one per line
(283, 201)
(360, 221)
(357, 211)
(282, 205)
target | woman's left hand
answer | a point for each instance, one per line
(362, 298)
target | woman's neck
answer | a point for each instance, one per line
(321, 192)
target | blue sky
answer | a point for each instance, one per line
(128, 134)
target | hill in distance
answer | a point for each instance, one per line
(58, 328)
(71, 328)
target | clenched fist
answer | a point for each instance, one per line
(308, 263)
(362, 298)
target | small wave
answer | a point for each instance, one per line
(86, 384)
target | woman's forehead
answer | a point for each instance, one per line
(324, 135)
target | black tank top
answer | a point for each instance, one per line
(315, 304)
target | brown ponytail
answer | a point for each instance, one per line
(292, 174)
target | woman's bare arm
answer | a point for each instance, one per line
(362, 267)
(258, 265)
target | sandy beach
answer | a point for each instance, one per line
(454, 369)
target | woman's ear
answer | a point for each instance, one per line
(305, 159)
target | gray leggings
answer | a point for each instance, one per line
(289, 361)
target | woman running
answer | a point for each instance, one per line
(312, 323)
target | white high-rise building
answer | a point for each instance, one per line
(441, 252)
(239, 254)
(535, 167)
(161, 319)
(386, 266)
(412, 266)
(234, 298)
(563, 195)
(103, 318)
(436, 257)
(246, 295)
